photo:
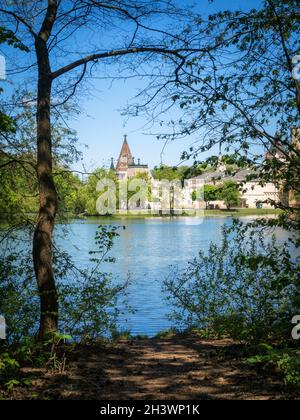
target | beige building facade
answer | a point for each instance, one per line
(253, 195)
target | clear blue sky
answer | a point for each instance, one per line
(101, 126)
(103, 130)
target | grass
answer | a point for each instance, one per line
(206, 213)
(242, 212)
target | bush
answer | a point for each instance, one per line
(19, 298)
(246, 287)
(285, 361)
(87, 297)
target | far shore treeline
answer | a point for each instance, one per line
(78, 193)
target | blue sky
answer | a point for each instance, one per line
(101, 126)
(103, 130)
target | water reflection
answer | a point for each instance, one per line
(146, 249)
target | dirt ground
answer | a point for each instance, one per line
(159, 368)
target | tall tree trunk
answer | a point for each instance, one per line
(42, 241)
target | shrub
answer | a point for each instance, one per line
(246, 287)
(87, 297)
(285, 361)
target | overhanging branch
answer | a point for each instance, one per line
(116, 53)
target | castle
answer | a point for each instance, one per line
(126, 166)
(254, 193)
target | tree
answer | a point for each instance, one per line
(69, 189)
(229, 192)
(88, 192)
(18, 190)
(240, 94)
(211, 193)
(48, 31)
(166, 172)
(12, 184)
(8, 37)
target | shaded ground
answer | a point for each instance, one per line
(181, 367)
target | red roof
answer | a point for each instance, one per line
(125, 157)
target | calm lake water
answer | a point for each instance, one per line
(146, 250)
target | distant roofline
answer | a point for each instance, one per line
(218, 175)
(138, 166)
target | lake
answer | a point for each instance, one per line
(145, 250)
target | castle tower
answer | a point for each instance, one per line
(125, 158)
(126, 166)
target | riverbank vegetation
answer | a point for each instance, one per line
(246, 288)
(230, 77)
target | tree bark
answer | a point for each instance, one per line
(42, 240)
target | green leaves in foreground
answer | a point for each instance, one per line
(246, 287)
(284, 361)
(8, 37)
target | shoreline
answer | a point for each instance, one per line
(205, 213)
(239, 213)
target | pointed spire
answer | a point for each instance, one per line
(112, 166)
(125, 157)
